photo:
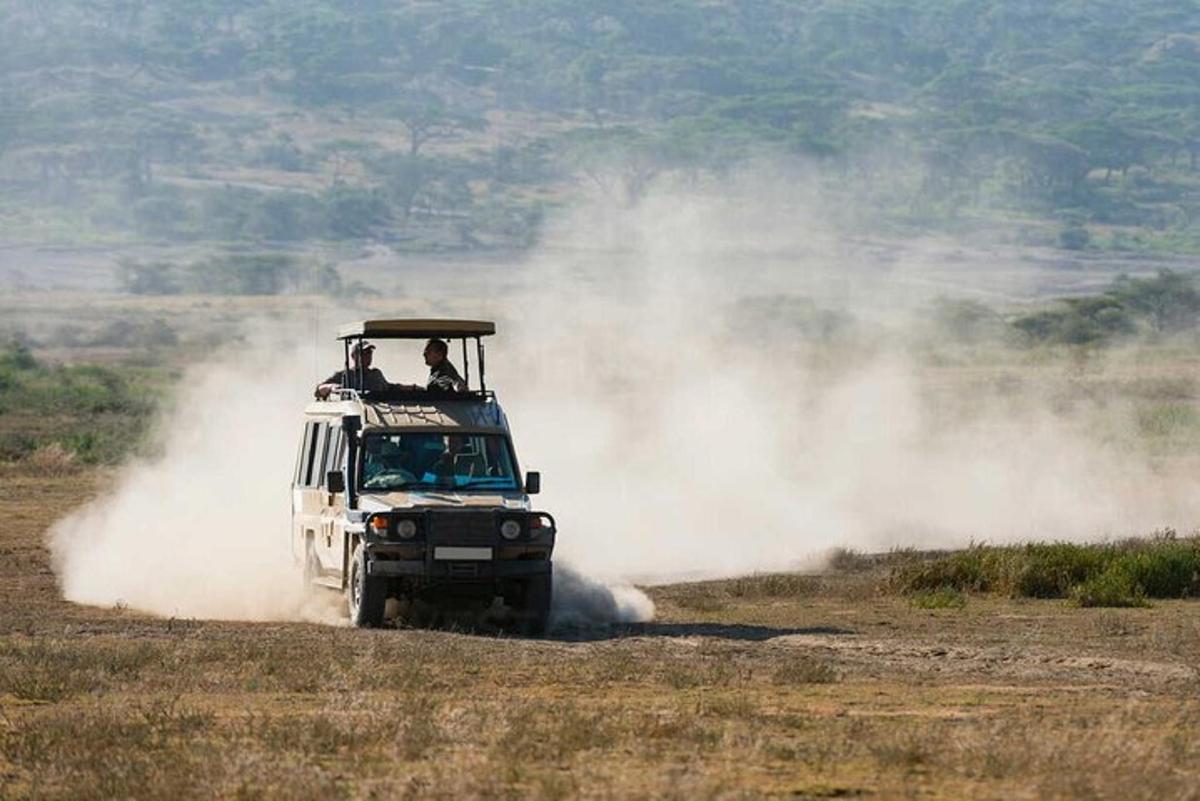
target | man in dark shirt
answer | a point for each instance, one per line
(442, 375)
(372, 378)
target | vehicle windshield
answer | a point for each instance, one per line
(437, 461)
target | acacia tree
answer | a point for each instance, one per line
(404, 176)
(619, 161)
(1170, 301)
(426, 116)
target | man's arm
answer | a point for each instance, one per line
(328, 385)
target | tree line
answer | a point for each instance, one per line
(1087, 113)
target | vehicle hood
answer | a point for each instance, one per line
(448, 499)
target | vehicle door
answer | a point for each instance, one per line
(307, 496)
(298, 527)
(333, 504)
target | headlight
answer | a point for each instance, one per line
(510, 529)
(407, 529)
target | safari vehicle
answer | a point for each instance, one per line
(416, 494)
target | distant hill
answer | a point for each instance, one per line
(455, 123)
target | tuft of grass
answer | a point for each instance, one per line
(804, 670)
(51, 461)
(700, 598)
(558, 730)
(848, 560)
(774, 585)
(941, 598)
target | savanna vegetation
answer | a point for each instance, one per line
(58, 418)
(456, 124)
(1157, 308)
(1118, 574)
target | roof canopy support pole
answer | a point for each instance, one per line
(479, 352)
(361, 371)
(345, 359)
(466, 365)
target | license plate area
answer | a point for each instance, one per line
(462, 554)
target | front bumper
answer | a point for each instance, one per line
(438, 562)
(462, 547)
(449, 570)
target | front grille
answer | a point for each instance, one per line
(462, 528)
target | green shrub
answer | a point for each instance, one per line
(1167, 420)
(1050, 570)
(1112, 588)
(1164, 567)
(1164, 570)
(16, 357)
(977, 569)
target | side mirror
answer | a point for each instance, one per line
(533, 482)
(335, 481)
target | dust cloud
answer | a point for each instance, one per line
(677, 371)
(201, 529)
(684, 375)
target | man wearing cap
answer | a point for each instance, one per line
(372, 377)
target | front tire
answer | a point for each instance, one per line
(365, 595)
(534, 616)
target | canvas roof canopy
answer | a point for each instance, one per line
(416, 329)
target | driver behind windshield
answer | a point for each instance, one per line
(401, 461)
(458, 461)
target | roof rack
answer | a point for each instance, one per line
(416, 329)
(353, 333)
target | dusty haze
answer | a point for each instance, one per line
(682, 427)
(681, 434)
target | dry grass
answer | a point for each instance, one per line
(767, 686)
(52, 461)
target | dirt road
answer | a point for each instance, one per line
(807, 688)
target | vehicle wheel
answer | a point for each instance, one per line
(534, 615)
(365, 595)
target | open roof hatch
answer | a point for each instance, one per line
(463, 330)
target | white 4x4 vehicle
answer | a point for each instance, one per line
(417, 494)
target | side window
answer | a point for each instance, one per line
(304, 457)
(333, 454)
(323, 454)
(311, 460)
